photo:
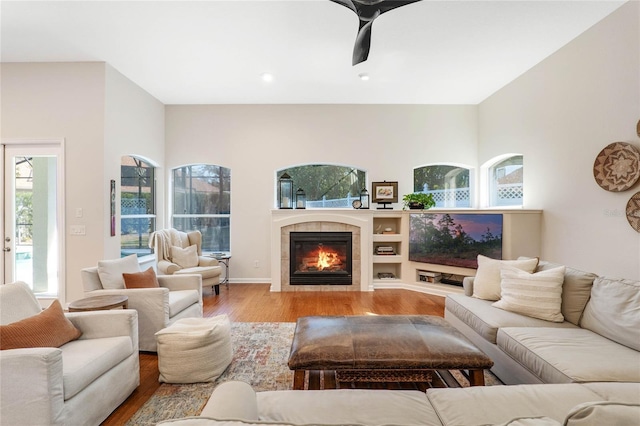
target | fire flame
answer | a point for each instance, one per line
(327, 259)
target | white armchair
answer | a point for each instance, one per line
(179, 296)
(166, 242)
(79, 383)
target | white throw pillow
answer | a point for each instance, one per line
(185, 257)
(536, 295)
(110, 271)
(486, 284)
(612, 311)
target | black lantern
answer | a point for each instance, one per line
(364, 199)
(301, 199)
(285, 198)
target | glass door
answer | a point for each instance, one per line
(32, 216)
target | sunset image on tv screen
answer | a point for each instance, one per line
(454, 239)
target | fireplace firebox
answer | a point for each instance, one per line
(320, 258)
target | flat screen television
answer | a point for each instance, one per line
(454, 239)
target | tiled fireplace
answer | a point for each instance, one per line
(320, 258)
(325, 253)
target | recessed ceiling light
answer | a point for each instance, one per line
(363, 76)
(267, 77)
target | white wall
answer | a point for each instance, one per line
(256, 140)
(60, 100)
(560, 115)
(101, 116)
(134, 125)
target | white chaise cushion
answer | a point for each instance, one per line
(485, 320)
(628, 392)
(614, 311)
(603, 413)
(180, 300)
(562, 355)
(485, 405)
(110, 271)
(347, 406)
(85, 360)
(531, 421)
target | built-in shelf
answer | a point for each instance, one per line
(383, 282)
(387, 238)
(387, 258)
(387, 232)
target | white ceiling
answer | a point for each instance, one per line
(214, 52)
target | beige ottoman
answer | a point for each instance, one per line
(193, 350)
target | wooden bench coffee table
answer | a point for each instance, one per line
(384, 348)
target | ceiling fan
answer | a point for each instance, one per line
(368, 11)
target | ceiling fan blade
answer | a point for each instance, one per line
(388, 5)
(367, 11)
(346, 3)
(363, 42)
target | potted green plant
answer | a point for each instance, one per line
(418, 201)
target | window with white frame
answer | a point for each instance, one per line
(327, 185)
(506, 182)
(449, 184)
(137, 206)
(202, 201)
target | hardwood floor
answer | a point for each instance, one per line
(255, 303)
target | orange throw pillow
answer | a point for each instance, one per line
(48, 329)
(146, 279)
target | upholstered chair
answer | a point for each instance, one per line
(160, 300)
(180, 253)
(53, 376)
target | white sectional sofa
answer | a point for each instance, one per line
(236, 404)
(582, 371)
(598, 341)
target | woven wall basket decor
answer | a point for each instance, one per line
(638, 128)
(617, 167)
(633, 211)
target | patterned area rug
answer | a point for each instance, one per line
(260, 353)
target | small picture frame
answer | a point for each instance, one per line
(384, 192)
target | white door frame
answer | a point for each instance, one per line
(58, 143)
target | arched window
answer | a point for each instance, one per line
(137, 206)
(202, 201)
(505, 182)
(449, 184)
(327, 185)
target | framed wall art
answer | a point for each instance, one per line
(384, 193)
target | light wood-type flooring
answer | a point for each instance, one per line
(255, 303)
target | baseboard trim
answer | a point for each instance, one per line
(434, 289)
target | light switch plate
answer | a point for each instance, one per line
(77, 230)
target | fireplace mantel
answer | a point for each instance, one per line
(521, 237)
(284, 221)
